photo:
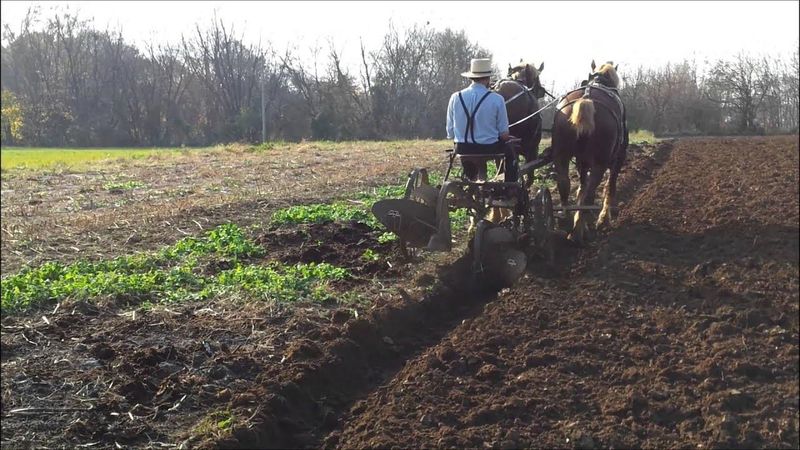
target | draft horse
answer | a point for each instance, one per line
(589, 126)
(521, 91)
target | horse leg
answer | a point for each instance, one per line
(580, 227)
(609, 199)
(610, 194)
(535, 141)
(561, 165)
(562, 178)
(582, 172)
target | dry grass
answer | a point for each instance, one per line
(68, 214)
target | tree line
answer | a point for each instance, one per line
(67, 83)
(744, 94)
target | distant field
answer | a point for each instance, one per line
(85, 158)
(640, 136)
(81, 158)
(38, 158)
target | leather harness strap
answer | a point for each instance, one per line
(611, 92)
(525, 89)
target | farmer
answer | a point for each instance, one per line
(477, 123)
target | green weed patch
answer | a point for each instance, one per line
(357, 211)
(284, 283)
(322, 213)
(183, 271)
(370, 256)
(387, 236)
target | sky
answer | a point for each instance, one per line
(566, 36)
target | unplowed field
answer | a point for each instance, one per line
(677, 327)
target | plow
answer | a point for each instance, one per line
(500, 249)
(523, 220)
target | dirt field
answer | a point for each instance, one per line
(676, 328)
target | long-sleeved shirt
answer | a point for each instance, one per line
(491, 119)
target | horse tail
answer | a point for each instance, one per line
(582, 117)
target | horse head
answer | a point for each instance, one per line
(606, 75)
(528, 75)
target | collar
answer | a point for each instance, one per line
(478, 86)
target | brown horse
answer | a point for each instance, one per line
(521, 92)
(590, 126)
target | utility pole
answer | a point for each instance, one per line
(263, 115)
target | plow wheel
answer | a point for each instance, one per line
(496, 262)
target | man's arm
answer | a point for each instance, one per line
(450, 122)
(502, 119)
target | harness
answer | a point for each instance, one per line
(470, 131)
(611, 93)
(525, 89)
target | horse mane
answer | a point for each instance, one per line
(610, 72)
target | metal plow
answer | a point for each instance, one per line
(500, 251)
(413, 217)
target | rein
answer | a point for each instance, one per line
(525, 90)
(535, 113)
(555, 99)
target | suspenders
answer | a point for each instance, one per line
(470, 131)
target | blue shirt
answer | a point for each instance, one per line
(491, 120)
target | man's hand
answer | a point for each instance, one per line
(505, 137)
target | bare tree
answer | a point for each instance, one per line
(230, 73)
(73, 84)
(739, 86)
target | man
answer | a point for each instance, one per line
(477, 122)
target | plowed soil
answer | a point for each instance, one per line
(678, 327)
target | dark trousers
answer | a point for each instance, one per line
(473, 168)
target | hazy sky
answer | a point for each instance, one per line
(565, 35)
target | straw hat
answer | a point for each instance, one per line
(479, 68)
